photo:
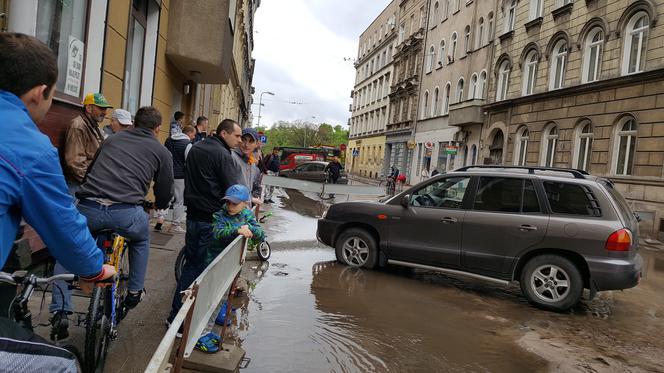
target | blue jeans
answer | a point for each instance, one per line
(129, 221)
(198, 240)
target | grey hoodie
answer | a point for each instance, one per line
(250, 173)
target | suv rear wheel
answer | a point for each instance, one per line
(357, 248)
(551, 282)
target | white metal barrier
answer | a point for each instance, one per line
(202, 297)
(310, 186)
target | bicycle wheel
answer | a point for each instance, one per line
(122, 287)
(264, 251)
(179, 264)
(97, 338)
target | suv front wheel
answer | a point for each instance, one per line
(357, 248)
(551, 282)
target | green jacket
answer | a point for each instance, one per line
(225, 226)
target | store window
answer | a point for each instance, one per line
(134, 58)
(61, 26)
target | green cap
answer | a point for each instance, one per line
(96, 99)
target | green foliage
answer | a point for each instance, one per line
(303, 134)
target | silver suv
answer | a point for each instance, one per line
(556, 231)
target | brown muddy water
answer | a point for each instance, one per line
(307, 313)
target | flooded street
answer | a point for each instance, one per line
(307, 313)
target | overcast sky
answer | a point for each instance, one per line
(300, 46)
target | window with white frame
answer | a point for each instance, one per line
(549, 145)
(481, 84)
(592, 55)
(625, 146)
(457, 5)
(422, 17)
(563, 2)
(453, 47)
(473, 155)
(521, 152)
(431, 58)
(490, 28)
(459, 90)
(510, 15)
(503, 81)
(536, 9)
(467, 40)
(529, 73)
(435, 104)
(584, 146)
(441, 53)
(480, 33)
(472, 89)
(435, 14)
(636, 37)
(402, 32)
(446, 99)
(558, 64)
(446, 9)
(425, 105)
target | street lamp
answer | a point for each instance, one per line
(260, 105)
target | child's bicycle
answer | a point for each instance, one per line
(262, 249)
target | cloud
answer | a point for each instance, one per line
(300, 46)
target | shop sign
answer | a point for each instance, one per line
(451, 150)
(356, 152)
(74, 67)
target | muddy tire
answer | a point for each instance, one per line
(357, 248)
(551, 282)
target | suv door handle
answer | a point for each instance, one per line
(449, 220)
(527, 227)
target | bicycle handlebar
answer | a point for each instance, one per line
(19, 277)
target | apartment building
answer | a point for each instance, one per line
(371, 105)
(581, 84)
(404, 92)
(457, 57)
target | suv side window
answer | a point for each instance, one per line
(571, 199)
(509, 195)
(316, 167)
(444, 193)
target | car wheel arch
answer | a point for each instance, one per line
(367, 227)
(574, 257)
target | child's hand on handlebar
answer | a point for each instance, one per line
(86, 286)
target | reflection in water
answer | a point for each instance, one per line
(332, 318)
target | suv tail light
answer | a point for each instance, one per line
(620, 240)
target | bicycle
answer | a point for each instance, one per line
(390, 186)
(106, 308)
(19, 310)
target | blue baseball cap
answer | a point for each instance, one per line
(237, 193)
(251, 132)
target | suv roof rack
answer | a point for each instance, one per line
(578, 174)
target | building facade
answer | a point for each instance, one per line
(457, 57)
(137, 53)
(404, 92)
(580, 84)
(371, 105)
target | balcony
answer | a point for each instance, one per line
(466, 112)
(201, 55)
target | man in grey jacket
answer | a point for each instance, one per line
(113, 193)
(245, 158)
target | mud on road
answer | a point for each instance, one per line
(304, 312)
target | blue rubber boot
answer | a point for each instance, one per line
(221, 317)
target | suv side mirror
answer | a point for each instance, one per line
(405, 200)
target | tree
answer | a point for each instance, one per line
(303, 134)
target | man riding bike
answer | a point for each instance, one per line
(33, 186)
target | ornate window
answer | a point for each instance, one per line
(435, 14)
(592, 55)
(481, 84)
(441, 53)
(625, 146)
(510, 15)
(529, 73)
(480, 33)
(435, 105)
(558, 64)
(446, 99)
(583, 151)
(521, 152)
(431, 58)
(459, 90)
(472, 90)
(425, 105)
(453, 48)
(503, 81)
(490, 29)
(467, 40)
(636, 37)
(536, 8)
(549, 145)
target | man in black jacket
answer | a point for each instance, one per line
(210, 170)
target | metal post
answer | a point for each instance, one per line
(179, 357)
(229, 307)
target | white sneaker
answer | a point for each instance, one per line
(176, 229)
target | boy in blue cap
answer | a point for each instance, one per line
(232, 220)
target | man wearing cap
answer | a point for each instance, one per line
(120, 121)
(83, 139)
(245, 157)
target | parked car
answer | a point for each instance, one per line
(556, 231)
(311, 171)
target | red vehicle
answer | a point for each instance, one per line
(291, 156)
